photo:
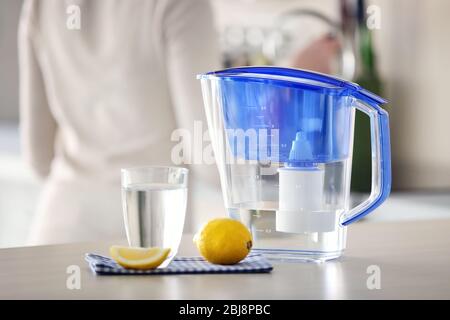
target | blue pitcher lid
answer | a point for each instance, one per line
(297, 78)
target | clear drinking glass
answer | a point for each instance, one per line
(154, 203)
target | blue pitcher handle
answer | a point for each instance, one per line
(381, 162)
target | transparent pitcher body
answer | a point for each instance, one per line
(283, 148)
(306, 238)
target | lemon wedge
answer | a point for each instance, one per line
(138, 258)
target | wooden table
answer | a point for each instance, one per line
(413, 257)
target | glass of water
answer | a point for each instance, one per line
(154, 203)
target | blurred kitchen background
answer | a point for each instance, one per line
(407, 59)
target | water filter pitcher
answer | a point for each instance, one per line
(282, 140)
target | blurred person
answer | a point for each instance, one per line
(105, 96)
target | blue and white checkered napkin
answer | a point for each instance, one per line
(254, 263)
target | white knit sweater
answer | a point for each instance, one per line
(107, 96)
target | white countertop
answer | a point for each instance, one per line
(413, 257)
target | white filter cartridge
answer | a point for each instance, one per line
(301, 206)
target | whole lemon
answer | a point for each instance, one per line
(223, 241)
